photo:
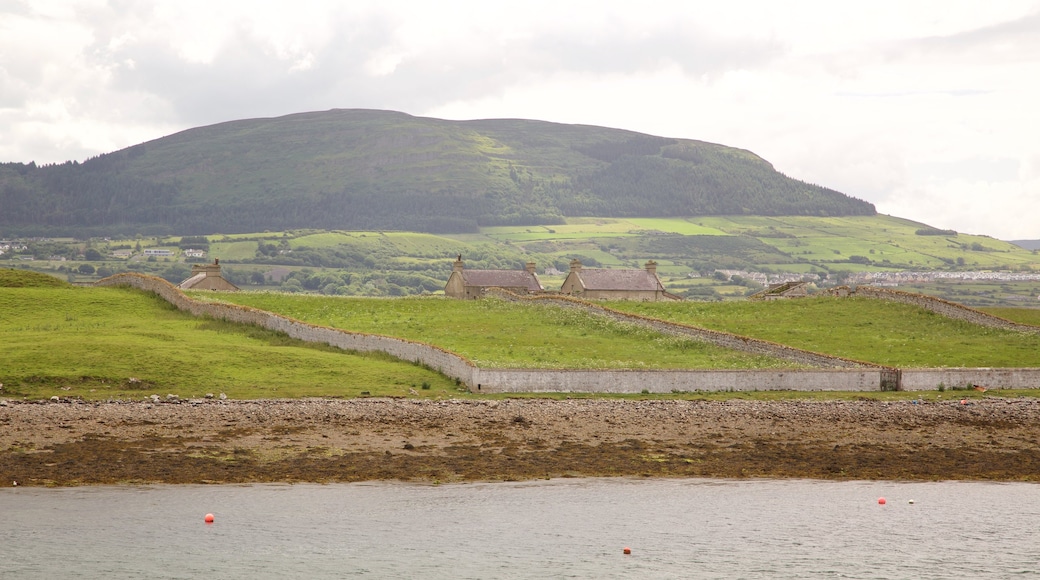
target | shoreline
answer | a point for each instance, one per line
(74, 442)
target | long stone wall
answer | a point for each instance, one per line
(958, 378)
(670, 381)
(935, 304)
(864, 378)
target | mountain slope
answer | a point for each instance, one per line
(365, 169)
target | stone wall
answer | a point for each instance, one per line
(957, 378)
(668, 381)
(937, 305)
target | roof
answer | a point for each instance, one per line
(191, 282)
(202, 281)
(603, 279)
(501, 279)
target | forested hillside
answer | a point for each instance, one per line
(364, 169)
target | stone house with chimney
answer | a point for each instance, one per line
(207, 277)
(615, 284)
(469, 284)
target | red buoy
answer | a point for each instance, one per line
(881, 501)
(627, 550)
(209, 518)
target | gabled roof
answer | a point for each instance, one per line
(501, 279)
(604, 279)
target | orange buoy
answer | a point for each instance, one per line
(627, 550)
(209, 518)
(881, 501)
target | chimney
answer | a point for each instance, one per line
(529, 267)
(457, 266)
(575, 265)
(651, 266)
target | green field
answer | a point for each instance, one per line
(498, 334)
(876, 331)
(102, 343)
(99, 343)
(495, 333)
(1020, 315)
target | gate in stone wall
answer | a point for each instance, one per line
(891, 380)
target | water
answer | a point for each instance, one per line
(552, 529)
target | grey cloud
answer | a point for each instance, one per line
(246, 80)
(1012, 40)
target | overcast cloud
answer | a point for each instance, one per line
(927, 109)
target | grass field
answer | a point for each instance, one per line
(499, 334)
(863, 329)
(1020, 315)
(102, 343)
(99, 343)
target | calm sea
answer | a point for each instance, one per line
(568, 528)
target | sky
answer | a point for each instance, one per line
(928, 109)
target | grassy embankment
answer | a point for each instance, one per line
(100, 343)
(498, 334)
(877, 331)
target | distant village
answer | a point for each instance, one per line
(890, 279)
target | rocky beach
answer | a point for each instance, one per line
(73, 442)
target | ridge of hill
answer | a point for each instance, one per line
(371, 169)
(11, 278)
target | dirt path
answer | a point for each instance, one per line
(74, 443)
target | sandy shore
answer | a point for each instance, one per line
(318, 440)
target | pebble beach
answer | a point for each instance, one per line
(73, 442)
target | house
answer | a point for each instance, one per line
(779, 291)
(192, 253)
(473, 283)
(158, 252)
(207, 277)
(607, 284)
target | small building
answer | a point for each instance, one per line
(615, 284)
(470, 284)
(158, 252)
(207, 277)
(780, 291)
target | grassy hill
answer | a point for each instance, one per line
(105, 342)
(364, 169)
